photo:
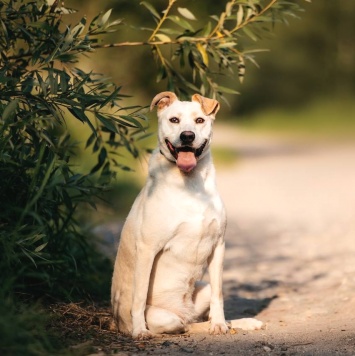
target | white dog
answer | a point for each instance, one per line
(174, 229)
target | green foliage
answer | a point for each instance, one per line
(200, 53)
(23, 331)
(323, 119)
(43, 248)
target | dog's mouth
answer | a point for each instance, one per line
(186, 156)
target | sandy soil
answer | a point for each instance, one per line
(290, 258)
(291, 244)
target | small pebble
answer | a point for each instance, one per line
(187, 350)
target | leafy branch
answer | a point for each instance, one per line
(212, 49)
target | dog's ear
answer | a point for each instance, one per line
(209, 106)
(163, 99)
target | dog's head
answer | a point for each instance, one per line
(185, 127)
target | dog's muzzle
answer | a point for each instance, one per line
(186, 156)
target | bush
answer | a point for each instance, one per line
(23, 331)
(43, 248)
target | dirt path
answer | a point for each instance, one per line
(291, 244)
(290, 258)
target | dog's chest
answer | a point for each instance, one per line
(194, 237)
(184, 214)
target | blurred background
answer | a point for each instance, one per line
(310, 61)
(304, 85)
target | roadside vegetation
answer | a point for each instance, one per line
(324, 118)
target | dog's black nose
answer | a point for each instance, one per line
(187, 137)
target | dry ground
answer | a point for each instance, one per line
(290, 258)
(291, 244)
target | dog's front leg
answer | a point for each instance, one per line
(215, 269)
(143, 267)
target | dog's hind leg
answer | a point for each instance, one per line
(201, 298)
(162, 321)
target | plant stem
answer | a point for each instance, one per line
(220, 21)
(171, 3)
(254, 18)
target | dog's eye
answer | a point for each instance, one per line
(174, 120)
(200, 120)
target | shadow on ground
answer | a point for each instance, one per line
(236, 307)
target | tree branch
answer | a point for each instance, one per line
(171, 3)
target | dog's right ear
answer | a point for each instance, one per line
(163, 99)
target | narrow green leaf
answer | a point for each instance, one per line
(163, 38)
(77, 30)
(10, 109)
(146, 135)
(227, 90)
(240, 14)
(116, 22)
(207, 29)
(29, 256)
(108, 123)
(151, 9)
(41, 247)
(81, 116)
(249, 33)
(229, 8)
(78, 114)
(132, 120)
(105, 18)
(226, 45)
(101, 160)
(186, 13)
(91, 139)
(250, 13)
(5, 33)
(170, 31)
(111, 97)
(64, 80)
(130, 107)
(53, 83)
(181, 22)
(93, 22)
(161, 74)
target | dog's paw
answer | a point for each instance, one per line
(246, 324)
(141, 334)
(218, 328)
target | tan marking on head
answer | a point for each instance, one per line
(209, 106)
(163, 99)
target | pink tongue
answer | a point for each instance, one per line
(186, 161)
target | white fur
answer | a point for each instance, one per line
(175, 228)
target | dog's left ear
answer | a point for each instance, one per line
(163, 99)
(209, 106)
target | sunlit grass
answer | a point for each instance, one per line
(224, 156)
(327, 118)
